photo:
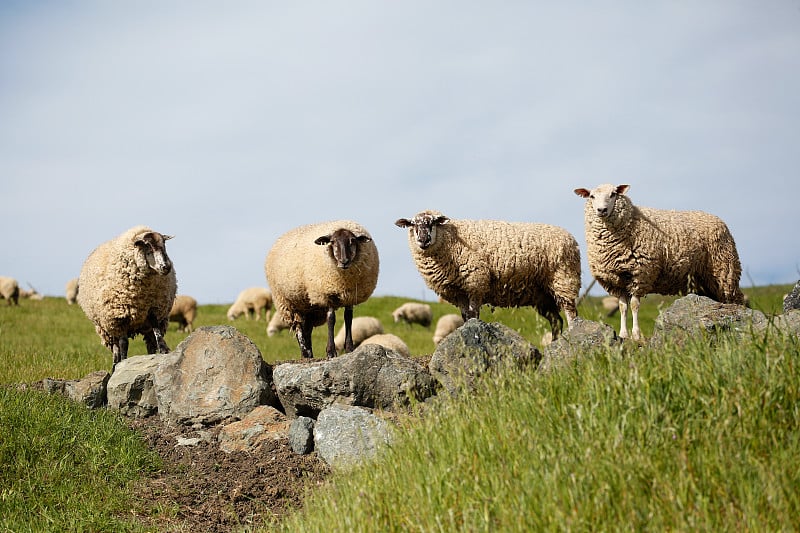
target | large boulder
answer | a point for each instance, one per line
(584, 337)
(214, 374)
(346, 435)
(370, 376)
(474, 349)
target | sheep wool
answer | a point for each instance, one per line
(363, 327)
(71, 291)
(252, 300)
(184, 311)
(127, 286)
(389, 342)
(413, 313)
(315, 269)
(9, 289)
(634, 251)
(446, 325)
(470, 263)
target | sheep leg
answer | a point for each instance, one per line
(472, 310)
(120, 350)
(161, 344)
(330, 350)
(623, 316)
(635, 331)
(348, 329)
(303, 334)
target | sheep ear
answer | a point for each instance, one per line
(403, 223)
(583, 193)
(167, 237)
(363, 238)
(143, 237)
(325, 239)
(622, 189)
(441, 220)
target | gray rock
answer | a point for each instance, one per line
(90, 390)
(789, 322)
(264, 423)
(582, 338)
(301, 435)
(214, 374)
(346, 435)
(369, 376)
(475, 348)
(792, 300)
(130, 388)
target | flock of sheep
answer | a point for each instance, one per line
(127, 285)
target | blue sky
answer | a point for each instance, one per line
(226, 124)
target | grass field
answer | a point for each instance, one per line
(692, 439)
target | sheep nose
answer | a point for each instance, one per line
(602, 211)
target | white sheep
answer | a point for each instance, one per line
(71, 291)
(251, 300)
(634, 251)
(276, 324)
(446, 325)
(9, 289)
(315, 269)
(127, 286)
(503, 264)
(184, 311)
(363, 327)
(413, 313)
(390, 342)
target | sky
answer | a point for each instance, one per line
(225, 124)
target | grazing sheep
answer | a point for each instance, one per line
(71, 291)
(276, 324)
(184, 311)
(32, 294)
(127, 288)
(315, 269)
(9, 289)
(413, 313)
(251, 300)
(634, 251)
(446, 325)
(390, 342)
(363, 327)
(474, 262)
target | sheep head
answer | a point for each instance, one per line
(423, 226)
(603, 197)
(152, 251)
(343, 246)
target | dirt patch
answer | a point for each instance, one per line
(202, 488)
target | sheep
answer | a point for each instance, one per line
(276, 324)
(251, 300)
(446, 325)
(389, 342)
(184, 311)
(503, 264)
(71, 291)
(127, 286)
(9, 289)
(414, 313)
(363, 327)
(634, 251)
(317, 268)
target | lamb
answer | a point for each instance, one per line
(184, 311)
(634, 251)
(9, 289)
(413, 313)
(251, 300)
(276, 324)
(127, 286)
(390, 342)
(363, 327)
(317, 268)
(446, 325)
(71, 291)
(475, 262)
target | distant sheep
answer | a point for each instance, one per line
(276, 324)
(251, 300)
(315, 269)
(446, 325)
(475, 262)
(635, 251)
(71, 291)
(32, 294)
(184, 311)
(127, 286)
(389, 342)
(413, 313)
(363, 327)
(9, 289)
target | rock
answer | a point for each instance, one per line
(369, 376)
(301, 435)
(582, 338)
(130, 388)
(262, 424)
(692, 315)
(214, 374)
(792, 300)
(474, 349)
(788, 322)
(90, 390)
(346, 435)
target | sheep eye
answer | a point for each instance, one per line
(613, 194)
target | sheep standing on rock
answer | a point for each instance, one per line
(184, 311)
(470, 263)
(9, 289)
(315, 269)
(127, 286)
(446, 325)
(251, 300)
(413, 313)
(71, 291)
(634, 251)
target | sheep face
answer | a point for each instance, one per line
(343, 246)
(603, 197)
(424, 226)
(152, 252)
